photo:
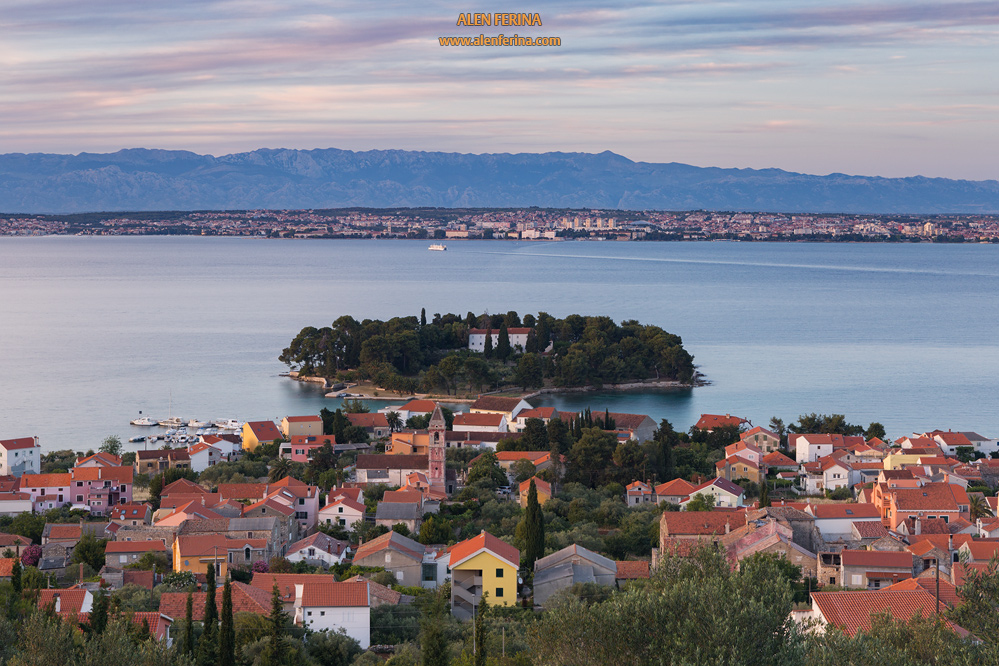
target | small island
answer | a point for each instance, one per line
(461, 357)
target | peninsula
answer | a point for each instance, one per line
(463, 356)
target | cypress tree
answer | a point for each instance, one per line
(227, 633)
(272, 653)
(608, 421)
(423, 317)
(208, 643)
(534, 532)
(15, 577)
(480, 631)
(99, 612)
(487, 348)
(188, 642)
(503, 349)
(433, 641)
(764, 495)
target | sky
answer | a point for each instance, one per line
(884, 88)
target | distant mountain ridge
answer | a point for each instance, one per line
(143, 179)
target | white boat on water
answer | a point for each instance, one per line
(172, 422)
(143, 421)
(230, 424)
(194, 423)
(136, 439)
(438, 247)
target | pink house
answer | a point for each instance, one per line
(301, 447)
(98, 489)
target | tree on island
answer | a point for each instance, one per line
(487, 348)
(503, 348)
(529, 373)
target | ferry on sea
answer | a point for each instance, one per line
(438, 247)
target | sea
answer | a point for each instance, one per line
(96, 330)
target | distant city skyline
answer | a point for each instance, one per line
(884, 88)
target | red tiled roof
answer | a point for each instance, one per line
(18, 443)
(479, 420)
(392, 540)
(242, 491)
(333, 594)
(304, 419)
(419, 406)
(184, 486)
(7, 566)
(346, 501)
(45, 480)
(264, 431)
(870, 529)
(777, 458)
(702, 523)
(675, 488)
(70, 600)
(843, 510)
(852, 610)
(712, 421)
(135, 546)
(66, 531)
(320, 541)
(930, 497)
(877, 558)
(245, 599)
(264, 582)
(9, 540)
(484, 541)
(402, 497)
(374, 420)
(541, 485)
(385, 594)
(126, 511)
(495, 331)
(513, 456)
(102, 457)
(116, 474)
(537, 413)
(269, 504)
(632, 569)
(948, 593)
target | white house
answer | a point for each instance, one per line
(319, 550)
(341, 511)
(230, 449)
(983, 444)
(466, 422)
(835, 521)
(204, 456)
(13, 504)
(809, 448)
(477, 338)
(827, 473)
(334, 606)
(724, 492)
(20, 456)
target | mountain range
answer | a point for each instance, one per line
(142, 179)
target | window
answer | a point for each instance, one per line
(400, 575)
(429, 572)
(832, 580)
(79, 498)
(301, 500)
(499, 573)
(322, 613)
(309, 613)
(246, 553)
(499, 592)
(187, 563)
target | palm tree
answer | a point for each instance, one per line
(979, 507)
(394, 421)
(280, 468)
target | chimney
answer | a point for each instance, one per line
(728, 526)
(919, 526)
(950, 542)
(58, 602)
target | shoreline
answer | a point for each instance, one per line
(657, 384)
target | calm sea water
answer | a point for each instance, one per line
(93, 330)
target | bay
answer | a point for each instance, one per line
(95, 329)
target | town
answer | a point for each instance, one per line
(537, 224)
(418, 534)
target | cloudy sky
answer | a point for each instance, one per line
(882, 87)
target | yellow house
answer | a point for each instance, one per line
(543, 487)
(481, 565)
(255, 432)
(196, 554)
(897, 460)
(302, 426)
(412, 442)
(734, 468)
